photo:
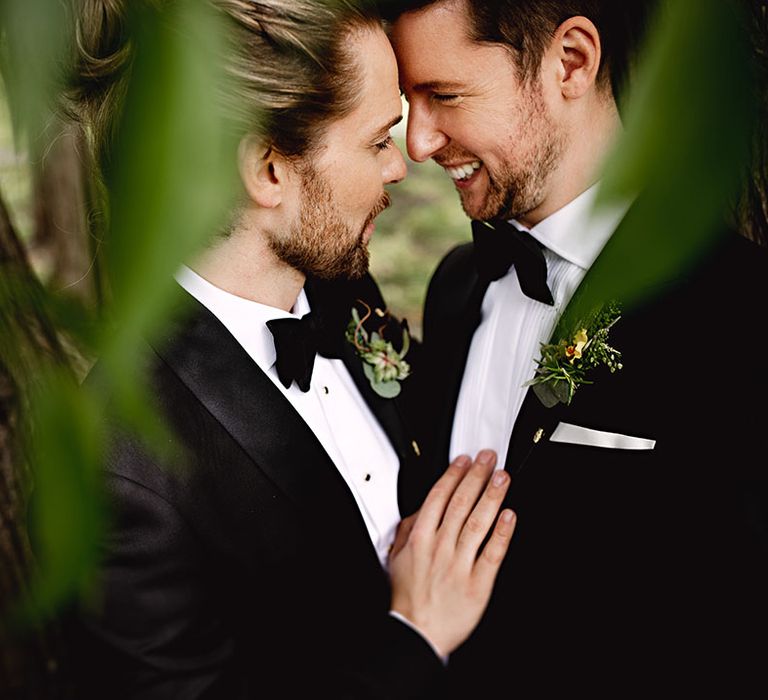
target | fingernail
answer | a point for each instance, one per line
(462, 461)
(507, 516)
(485, 456)
(499, 477)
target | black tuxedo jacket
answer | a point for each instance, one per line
(630, 570)
(238, 565)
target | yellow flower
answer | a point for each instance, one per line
(573, 352)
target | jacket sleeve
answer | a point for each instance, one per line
(156, 628)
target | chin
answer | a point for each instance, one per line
(352, 266)
(357, 273)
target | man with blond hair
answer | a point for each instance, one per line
(261, 559)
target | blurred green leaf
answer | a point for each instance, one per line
(689, 123)
(173, 173)
(67, 511)
(171, 180)
(33, 46)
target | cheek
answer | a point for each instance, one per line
(359, 191)
(356, 184)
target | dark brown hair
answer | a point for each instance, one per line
(527, 27)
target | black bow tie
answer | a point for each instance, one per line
(297, 341)
(502, 245)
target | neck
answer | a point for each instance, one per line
(243, 264)
(586, 147)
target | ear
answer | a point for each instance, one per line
(262, 171)
(577, 42)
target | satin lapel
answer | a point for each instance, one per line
(221, 375)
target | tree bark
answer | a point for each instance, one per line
(752, 208)
(60, 249)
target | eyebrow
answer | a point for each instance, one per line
(390, 124)
(437, 86)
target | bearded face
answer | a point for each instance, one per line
(323, 242)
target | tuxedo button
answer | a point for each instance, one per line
(538, 435)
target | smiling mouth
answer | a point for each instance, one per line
(464, 171)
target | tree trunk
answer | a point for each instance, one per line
(61, 251)
(752, 208)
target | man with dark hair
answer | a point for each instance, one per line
(659, 585)
(258, 557)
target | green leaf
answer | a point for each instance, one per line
(688, 124)
(406, 343)
(67, 514)
(34, 41)
(547, 393)
(387, 390)
(173, 171)
(171, 180)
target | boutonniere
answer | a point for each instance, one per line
(564, 365)
(383, 362)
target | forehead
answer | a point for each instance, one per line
(433, 45)
(379, 98)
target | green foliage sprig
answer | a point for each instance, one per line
(564, 365)
(383, 365)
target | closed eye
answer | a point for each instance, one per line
(446, 98)
(385, 144)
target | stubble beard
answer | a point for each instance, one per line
(514, 189)
(321, 243)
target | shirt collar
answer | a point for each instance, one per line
(578, 232)
(245, 319)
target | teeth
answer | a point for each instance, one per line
(464, 171)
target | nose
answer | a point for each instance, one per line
(423, 138)
(395, 169)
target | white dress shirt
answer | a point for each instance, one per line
(333, 407)
(504, 349)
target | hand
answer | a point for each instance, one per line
(439, 583)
